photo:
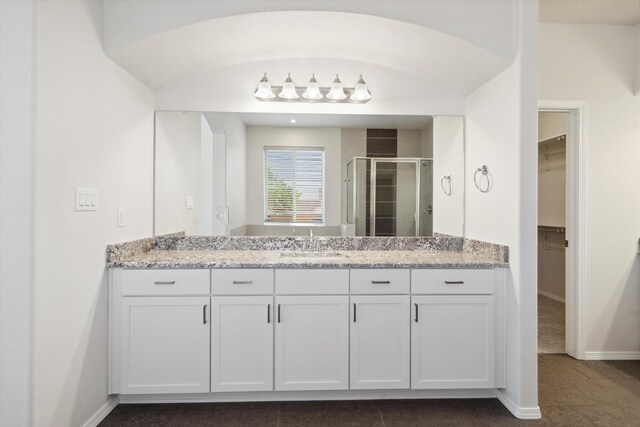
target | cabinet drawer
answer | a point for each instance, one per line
(163, 282)
(380, 281)
(452, 281)
(312, 282)
(250, 281)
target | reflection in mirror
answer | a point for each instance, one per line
(261, 174)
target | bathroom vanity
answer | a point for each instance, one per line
(395, 321)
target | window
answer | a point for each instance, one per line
(293, 185)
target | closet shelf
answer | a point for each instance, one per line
(551, 228)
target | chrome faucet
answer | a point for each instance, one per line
(311, 243)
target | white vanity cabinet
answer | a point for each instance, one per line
(312, 329)
(453, 329)
(380, 331)
(242, 343)
(242, 328)
(161, 334)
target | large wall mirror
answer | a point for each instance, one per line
(273, 174)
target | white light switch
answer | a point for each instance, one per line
(189, 202)
(86, 199)
(122, 217)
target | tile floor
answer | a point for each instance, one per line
(571, 393)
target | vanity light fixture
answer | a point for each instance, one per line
(361, 92)
(336, 93)
(264, 91)
(313, 92)
(313, 89)
(288, 89)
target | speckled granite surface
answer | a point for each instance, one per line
(266, 252)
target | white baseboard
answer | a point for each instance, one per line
(524, 413)
(277, 396)
(552, 296)
(612, 355)
(102, 413)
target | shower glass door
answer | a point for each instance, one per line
(395, 197)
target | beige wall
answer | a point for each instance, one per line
(94, 128)
(551, 204)
(448, 155)
(599, 69)
(178, 167)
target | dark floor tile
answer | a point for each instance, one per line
(342, 413)
(607, 415)
(141, 416)
(559, 393)
(565, 416)
(222, 414)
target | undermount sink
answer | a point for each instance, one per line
(313, 255)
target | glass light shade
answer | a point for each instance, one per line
(313, 89)
(336, 92)
(264, 90)
(288, 89)
(361, 92)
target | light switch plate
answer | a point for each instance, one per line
(122, 217)
(189, 202)
(86, 199)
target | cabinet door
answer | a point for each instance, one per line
(453, 341)
(312, 342)
(380, 342)
(165, 345)
(242, 343)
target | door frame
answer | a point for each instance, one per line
(575, 272)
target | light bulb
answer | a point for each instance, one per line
(361, 92)
(313, 89)
(336, 92)
(288, 89)
(264, 90)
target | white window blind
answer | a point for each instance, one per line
(293, 185)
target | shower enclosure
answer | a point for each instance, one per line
(390, 196)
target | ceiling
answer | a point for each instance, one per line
(605, 12)
(358, 121)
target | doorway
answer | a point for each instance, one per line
(553, 128)
(568, 118)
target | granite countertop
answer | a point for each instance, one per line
(200, 252)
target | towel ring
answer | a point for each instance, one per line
(445, 183)
(478, 181)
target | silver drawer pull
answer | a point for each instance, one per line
(242, 282)
(380, 282)
(159, 282)
(454, 282)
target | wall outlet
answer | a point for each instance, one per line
(86, 199)
(189, 202)
(222, 214)
(175, 213)
(122, 217)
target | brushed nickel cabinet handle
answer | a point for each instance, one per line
(268, 313)
(160, 282)
(354, 312)
(416, 319)
(243, 282)
(454, 282)
(380, 282)
(204, 314)
(278, 313)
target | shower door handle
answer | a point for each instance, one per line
(429, 210)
